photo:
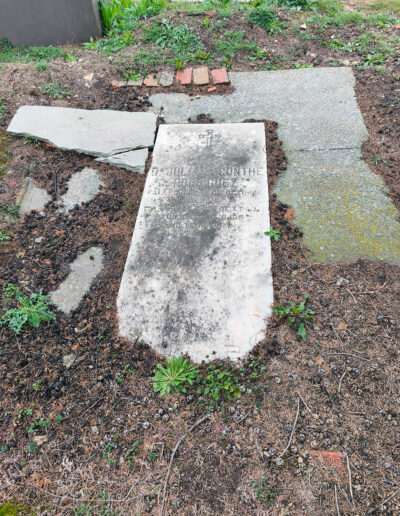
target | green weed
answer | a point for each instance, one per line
(41, 66)
(297, 316)
(55, 89)
(30, 312)
(177, 372)
(101, 508)
(233, 43)
(10, 290)
(180, 39)
(374, 59)
(267, 19)
(264, 494)
(5, 237)
(132, 453)
(297, 5)
(219, 384)
(273, 233)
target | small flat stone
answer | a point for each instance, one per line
(166, 78)
(68, 360)
(151, 80)
(184, 77)
(135, 82)
(83, 186)
(132, 160)
(89, 77)
(200, 75)
(95, 132)
(213, 88)
(34, 198)
(220, 76)
(83, 272)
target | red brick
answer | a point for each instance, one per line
(220, 76)
(151, 80)
(331, 459)
(213, 88)
(200, 75)
(185, 76)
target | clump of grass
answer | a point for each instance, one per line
(233, 43)
(55, 89)
(28, 54)
(180, 39)
(267, 19)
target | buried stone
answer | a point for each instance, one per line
(198, 275)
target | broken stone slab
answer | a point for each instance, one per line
(166, 78)
(197, 279)
(83, 186)
(315, 108)
(83, 272)
(34, 198)
(93, 132)
(132, 160)
(342, 207)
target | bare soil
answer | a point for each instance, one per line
(337, 392)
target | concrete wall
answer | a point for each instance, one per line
(49, 22)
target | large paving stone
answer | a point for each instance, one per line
(96, 132)
(83, 186)
(83, 272)
(342, 206)
(315, 108)
(198, 275)
(34, 198)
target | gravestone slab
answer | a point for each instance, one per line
(95, 132)
(198, 275)
(133, 160)
(83, 186)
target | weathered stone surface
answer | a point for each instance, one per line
(315, 108)
(132, 160)
(341, 206)
(198, 275)
(83, 272)
(83, 186)
(166, 78)
(151, 80)
(34, 198)
(200, 75)
(96, 132)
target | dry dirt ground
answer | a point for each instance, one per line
(317, 425)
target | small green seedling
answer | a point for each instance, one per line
(32, 311)
(55, 89)
(173, 377)
(296, 316)
(273, 233)
(263, 493)
(132, 453)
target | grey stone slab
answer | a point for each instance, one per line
(49, 22)
(132, 160)
(96, 132)
(166, 78)
(342, 207)
(83, 272)
(198, 275)
(34, 198)
(315, 108)
(83, 186)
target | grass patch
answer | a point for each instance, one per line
(233, 43)
(267, 19)
(41, 54)
(385, 5)
(55, 90)
(353, 18)
(180, 39)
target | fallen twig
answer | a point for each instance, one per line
(336, 502)
(350, 481)
(384, 501)
(207, 416)
(293, 429)
(340, 383)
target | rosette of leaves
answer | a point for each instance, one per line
(173, 377)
